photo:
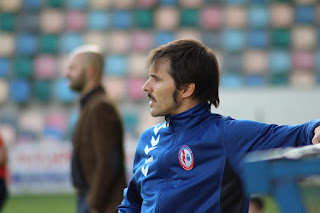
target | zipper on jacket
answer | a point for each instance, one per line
(160, 204)
(168, 121)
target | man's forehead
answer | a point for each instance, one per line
(160, 64)
(75, 58)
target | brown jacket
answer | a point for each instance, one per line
(98, 144)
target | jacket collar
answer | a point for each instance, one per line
(85, 99)
(190, 118)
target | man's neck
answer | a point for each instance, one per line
(187, 104)
(89, 87)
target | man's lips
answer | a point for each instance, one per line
(151, 97)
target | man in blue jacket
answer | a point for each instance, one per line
(190, 163)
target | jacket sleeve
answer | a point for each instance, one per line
(107, 135)
(242, 136)
(132, 199)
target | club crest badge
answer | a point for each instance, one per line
(186, 158)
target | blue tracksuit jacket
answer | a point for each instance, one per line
(190, 163)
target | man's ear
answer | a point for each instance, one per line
(188, 90)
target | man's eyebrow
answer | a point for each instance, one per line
(154, 75)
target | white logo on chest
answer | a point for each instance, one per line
(154, 142)
(145, 170)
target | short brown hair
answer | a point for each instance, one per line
(191, 62)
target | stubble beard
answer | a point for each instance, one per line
(78, 84)
(174, 97)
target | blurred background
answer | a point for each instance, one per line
(268, 51)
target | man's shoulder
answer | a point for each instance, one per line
(154, 129)
(101, 101)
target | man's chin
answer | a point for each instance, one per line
(74, 88)
(155, 114)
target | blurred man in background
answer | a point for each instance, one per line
(98, 157)
(191, 162)
(3, 163)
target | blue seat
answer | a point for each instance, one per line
(167, 2)
(258, 16)
(116, 65)
(70, 41)
(279, 61)
(5, 67)
(62, 92)
(77, 4)
(305, 14)
(234, 40)
(98, 20)
(20, 91)
(236, 2)
(232, 80)
(161, 38)
(29, 22)
(255, 80)
(122, 19)
(211, 39)
(232, 62)
(26, 44)
(258, 39)
(32, 5)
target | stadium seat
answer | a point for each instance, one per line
(55, 3)
(42, 91)
(45, 67)
(281, 38)
(76, 20)
(134, 88)
(234, 40)
(32, 5)
(122, 19)
(49, 43)
(258, 39)
(5, 67)
(304, 14)
(98, 20)
(116, 65)
(7, 21)
(62, 93)
(20, 91)
(258, 16)
(4, 90)
(77, 4)
(23, 67)
(29, 22)
(162, 37)
(26, 44)
(189, 17)
(69, 41)
(143, 19)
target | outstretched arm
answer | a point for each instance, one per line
(316, 137)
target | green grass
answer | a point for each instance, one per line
(55, 203)
(65, 203)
